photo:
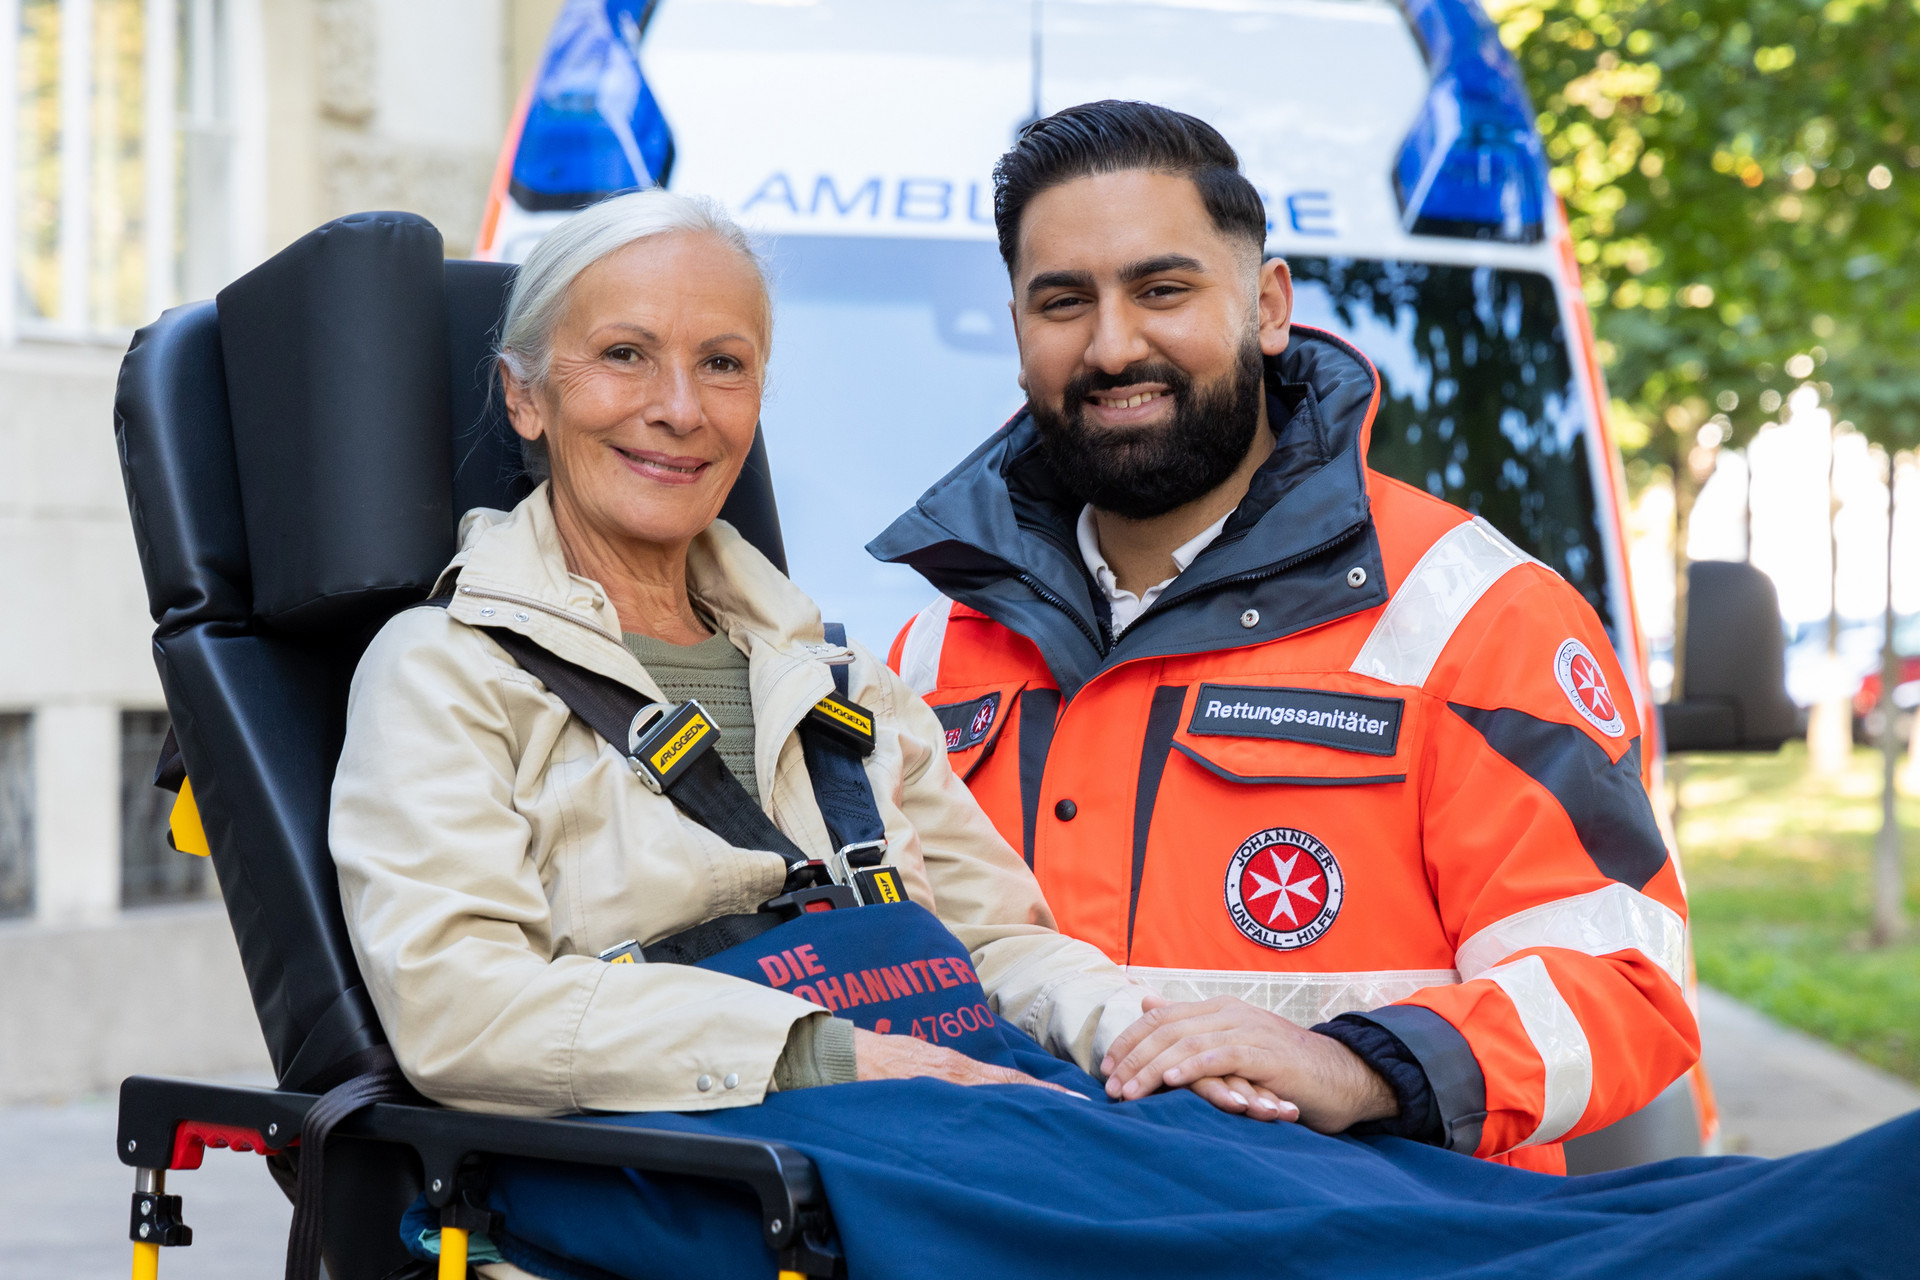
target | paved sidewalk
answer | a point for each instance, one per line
(1781, 1091)
(65, 1199)
(63, 1195)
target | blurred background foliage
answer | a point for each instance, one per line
(1741, 180)
(1780, 897)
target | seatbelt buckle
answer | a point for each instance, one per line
(850, 859)
(820, 897)
(878, 886)
(845, 721)
(664, 742)
(627, 952)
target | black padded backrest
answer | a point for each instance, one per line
(257, 633)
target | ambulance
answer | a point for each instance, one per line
(1404, 182)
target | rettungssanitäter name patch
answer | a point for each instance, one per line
(1343, 721)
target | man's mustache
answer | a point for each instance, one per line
(1095, 380)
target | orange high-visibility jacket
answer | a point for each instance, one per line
(1362, 755)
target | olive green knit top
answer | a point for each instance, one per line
(819, 1048)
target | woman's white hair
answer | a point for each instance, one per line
(539, 296)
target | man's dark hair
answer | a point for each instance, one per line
(1113, 137)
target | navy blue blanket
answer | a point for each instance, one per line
(932, 1179)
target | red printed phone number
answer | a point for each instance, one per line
(950, 1026)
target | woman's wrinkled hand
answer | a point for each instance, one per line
(879, 1057)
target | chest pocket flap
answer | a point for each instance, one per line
(1301, 734)
(971, 719)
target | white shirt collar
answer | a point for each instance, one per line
(1124, 605)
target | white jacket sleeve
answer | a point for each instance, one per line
(452, 929)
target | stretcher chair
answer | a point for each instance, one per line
(296, 457)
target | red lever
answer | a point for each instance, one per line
(193, 1137)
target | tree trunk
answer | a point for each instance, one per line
(1830, 724)
(1889, 880)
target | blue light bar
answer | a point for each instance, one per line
(592, 127)
(1473, 165)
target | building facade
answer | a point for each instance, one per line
(151, 151)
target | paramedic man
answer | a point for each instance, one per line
(1297, 744)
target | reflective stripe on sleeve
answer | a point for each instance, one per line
(1301, 998)
(920, 655)
(1611, 918)
(1449, 579)
(1557, 1037)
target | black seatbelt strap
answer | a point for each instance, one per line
(700, 784)
(383, 1082)
(836, 737)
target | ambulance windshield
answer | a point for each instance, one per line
(894, 358)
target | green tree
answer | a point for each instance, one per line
(1742, 183)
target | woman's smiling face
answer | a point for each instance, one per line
(653, 389)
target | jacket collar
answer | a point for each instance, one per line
(997, 532)
(511, 572)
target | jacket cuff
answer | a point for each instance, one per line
(819, 1051)
(1415, 1049)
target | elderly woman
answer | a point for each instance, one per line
(490, 845)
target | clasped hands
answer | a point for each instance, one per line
(1241, 1059)
(1246, 1061)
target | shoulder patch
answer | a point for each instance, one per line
(968, 723)
(1581, 678)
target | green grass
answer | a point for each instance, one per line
(1777, 864)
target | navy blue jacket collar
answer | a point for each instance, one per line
(997, 533)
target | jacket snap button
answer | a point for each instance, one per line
(732, 1081)
(704, 1083)
(486, 613)
(1065, 810)
(1356, 577)
(522, 617)
(1251, 618)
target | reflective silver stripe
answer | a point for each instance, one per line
(1450, 578)
(1302, 998)
(920, 655)
(1557, 1037)
(1610, 919)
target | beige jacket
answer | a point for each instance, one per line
(490, 846)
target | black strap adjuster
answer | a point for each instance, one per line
(663, 743)
(845, 721)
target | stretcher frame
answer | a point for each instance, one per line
(178, 1119)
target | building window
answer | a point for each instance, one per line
(120, 187)
(16, 815)
(151, 869)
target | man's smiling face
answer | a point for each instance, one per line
(1141, 326)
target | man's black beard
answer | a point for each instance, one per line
(1141, 472)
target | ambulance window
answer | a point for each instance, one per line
(1478, 400)
(892, 360)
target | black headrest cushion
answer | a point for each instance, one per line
(336, 360)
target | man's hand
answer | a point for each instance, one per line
(1214, 1045)
(879, 1057)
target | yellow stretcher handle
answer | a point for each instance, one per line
(188, 835)
(453, 1254)
(146, 1260)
